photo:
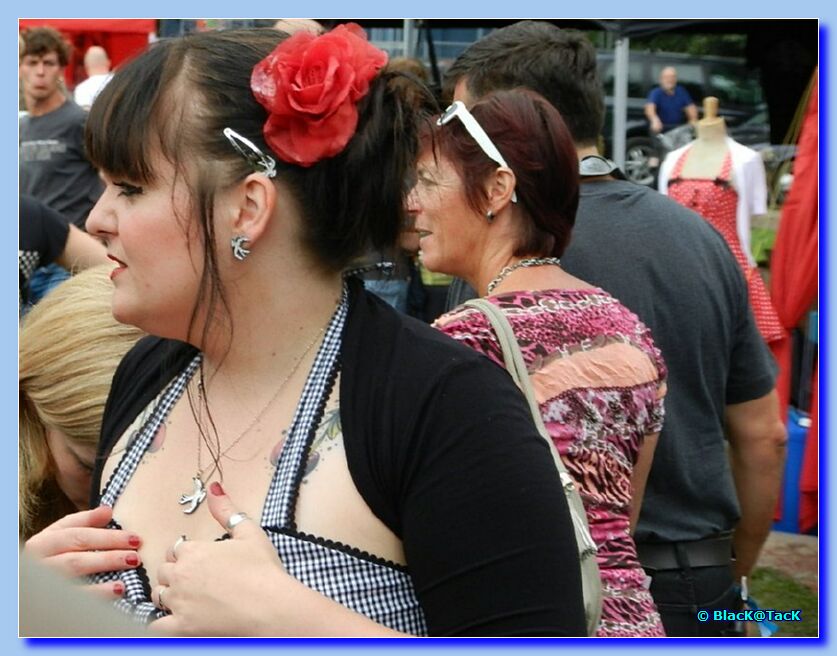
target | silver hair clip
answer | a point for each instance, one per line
(260, 162)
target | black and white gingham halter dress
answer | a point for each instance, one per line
(376, 588)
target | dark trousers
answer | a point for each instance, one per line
(682, 587)
(681, 593)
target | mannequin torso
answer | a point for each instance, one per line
(706, 156)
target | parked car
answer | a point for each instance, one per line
(727, 78)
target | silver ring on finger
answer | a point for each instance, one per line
(160, 601)
(177, 543)
(236, 519)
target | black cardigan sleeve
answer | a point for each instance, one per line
(442, 447)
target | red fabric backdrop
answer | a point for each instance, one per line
(793, 266)
(121, 38)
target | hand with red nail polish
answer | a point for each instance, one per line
(239, 587)
(79, 544)
(212, 585)
(107, 591)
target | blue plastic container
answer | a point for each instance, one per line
(798, 423)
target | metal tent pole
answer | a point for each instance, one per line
(620, 98)
(410, 35)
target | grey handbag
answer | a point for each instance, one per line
(590, 580)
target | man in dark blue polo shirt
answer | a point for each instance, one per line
(669, 104)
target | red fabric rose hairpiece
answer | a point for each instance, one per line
(310, 85)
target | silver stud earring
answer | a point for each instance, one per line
(239, 252)
(489, 215)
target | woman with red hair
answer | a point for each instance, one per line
(495, 205)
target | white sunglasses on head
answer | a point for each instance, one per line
(457, 109)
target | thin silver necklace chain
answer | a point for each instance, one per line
(522, 264)
(198, 494)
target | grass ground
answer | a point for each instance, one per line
(773, 589)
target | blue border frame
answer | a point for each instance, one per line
(825, 370)
(441, 9)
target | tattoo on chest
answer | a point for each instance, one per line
(156, 444)
(329, 435)
(276, 451)
(159, 439)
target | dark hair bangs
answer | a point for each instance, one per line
(126, 121)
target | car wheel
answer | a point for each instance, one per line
(642, 161)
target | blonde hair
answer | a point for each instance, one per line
(70, 346)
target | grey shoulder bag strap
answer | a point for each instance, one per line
(590, 579)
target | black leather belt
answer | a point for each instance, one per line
(712, 552)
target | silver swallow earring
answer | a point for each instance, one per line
(237, 244)
(489, 215)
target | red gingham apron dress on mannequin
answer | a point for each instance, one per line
(716, 201)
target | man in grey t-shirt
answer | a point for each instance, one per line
(676, 273)
(53, 165)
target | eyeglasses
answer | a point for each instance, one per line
(458, 110)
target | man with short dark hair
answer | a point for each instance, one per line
(677, 274)
(53, 165)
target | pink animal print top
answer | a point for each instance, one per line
(599, 381)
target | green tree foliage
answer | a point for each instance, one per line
(726, 45)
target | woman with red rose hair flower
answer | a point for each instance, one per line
(297, 457)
